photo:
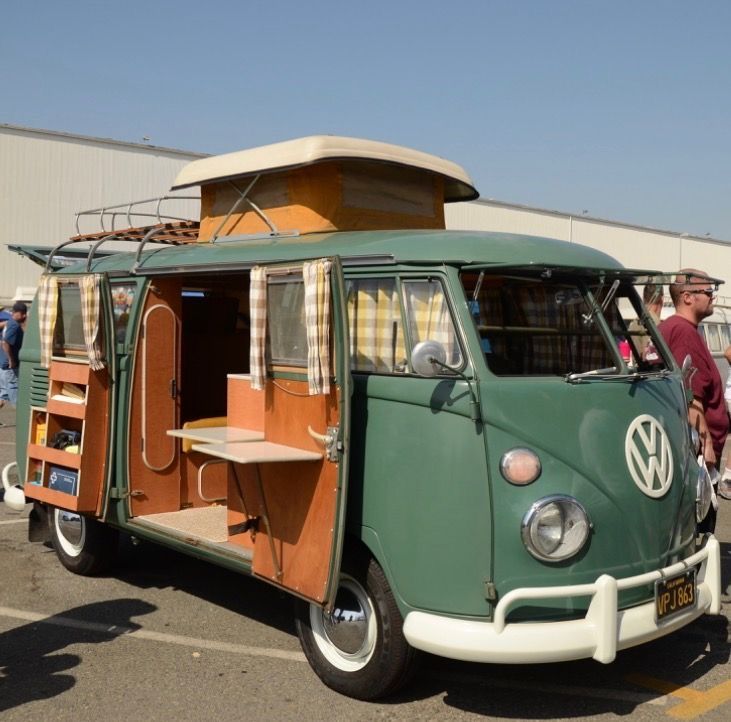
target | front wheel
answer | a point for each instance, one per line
(84, 546)
(358, 649)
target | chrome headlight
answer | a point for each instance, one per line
(703, 493)
(555, 528)
(695, 439)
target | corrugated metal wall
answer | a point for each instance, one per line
(46, 177)
(633, 246)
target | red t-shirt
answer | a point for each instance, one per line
(683, 338)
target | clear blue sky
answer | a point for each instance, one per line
(618, 108)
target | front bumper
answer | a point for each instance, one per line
(602, 632)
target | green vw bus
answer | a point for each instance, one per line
(428, 437)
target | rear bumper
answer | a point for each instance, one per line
(602, 632)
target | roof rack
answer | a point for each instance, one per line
(134, 209)
(165, 227)
(166, 233)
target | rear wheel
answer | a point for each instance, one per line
(359, 648)
(84, 546)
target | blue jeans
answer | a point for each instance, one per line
(9, 385)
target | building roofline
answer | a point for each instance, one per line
(102, 141)
(597, 219)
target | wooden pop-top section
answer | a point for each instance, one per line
(323, 183)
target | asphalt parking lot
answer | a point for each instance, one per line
(165, 636)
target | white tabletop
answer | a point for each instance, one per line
(217, 434)
(255, 452)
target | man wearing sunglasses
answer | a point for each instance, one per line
(692, 293)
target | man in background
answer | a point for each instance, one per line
(652, 297)
(12, 341)
(5, 316)
(692, 293)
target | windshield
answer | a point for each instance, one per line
(535, 326)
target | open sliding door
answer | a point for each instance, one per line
(307, 410)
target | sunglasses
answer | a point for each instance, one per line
(705, 291)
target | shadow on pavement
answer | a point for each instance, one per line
(31, 665)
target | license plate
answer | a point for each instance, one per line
(675, 595)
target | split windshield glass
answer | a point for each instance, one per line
(533, 325)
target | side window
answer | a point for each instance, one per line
(714, 343)
(725, 338)
(68, 338)
(286, 321)
(429, 317)
(123, 295)
(376, 330)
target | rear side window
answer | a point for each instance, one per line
(69, 330)
(286, 327)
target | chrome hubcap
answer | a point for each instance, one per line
(346, 626)
(70, 529)
(347, 636)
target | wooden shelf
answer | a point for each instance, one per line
(89, 417)
(58, 457)
(64, 408)
(53, 497)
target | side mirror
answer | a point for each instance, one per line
(424, 356)
(688, 370)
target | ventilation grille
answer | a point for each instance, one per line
(38, 386)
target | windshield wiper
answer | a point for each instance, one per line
(611, 374)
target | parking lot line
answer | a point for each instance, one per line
(694, 701)
(122, 631)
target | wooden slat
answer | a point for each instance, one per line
(75, 373)
(53, 497)
(58, 457)
(179, 231)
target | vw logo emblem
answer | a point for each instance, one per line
(649, 457)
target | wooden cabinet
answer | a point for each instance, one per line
(78, 403)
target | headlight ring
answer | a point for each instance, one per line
(555, 528)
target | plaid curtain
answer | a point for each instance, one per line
(89, 289)
(429, 315)
(47, 305)
(376, 335)
(316, 275)
(560, 340)
(258, 321)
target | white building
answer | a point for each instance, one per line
(634, 246)
(47, 177)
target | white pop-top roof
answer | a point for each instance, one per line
(316, 148)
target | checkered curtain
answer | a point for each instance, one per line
(258, 321)
(569, 343)
(47, 304)
(376, 335)
(429, 315)
(316, 275)
(90, 292)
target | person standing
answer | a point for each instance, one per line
(12, 341)
(4, 318)
(692, 294)
(652, 296)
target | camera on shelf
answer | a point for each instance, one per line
(64, 438)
